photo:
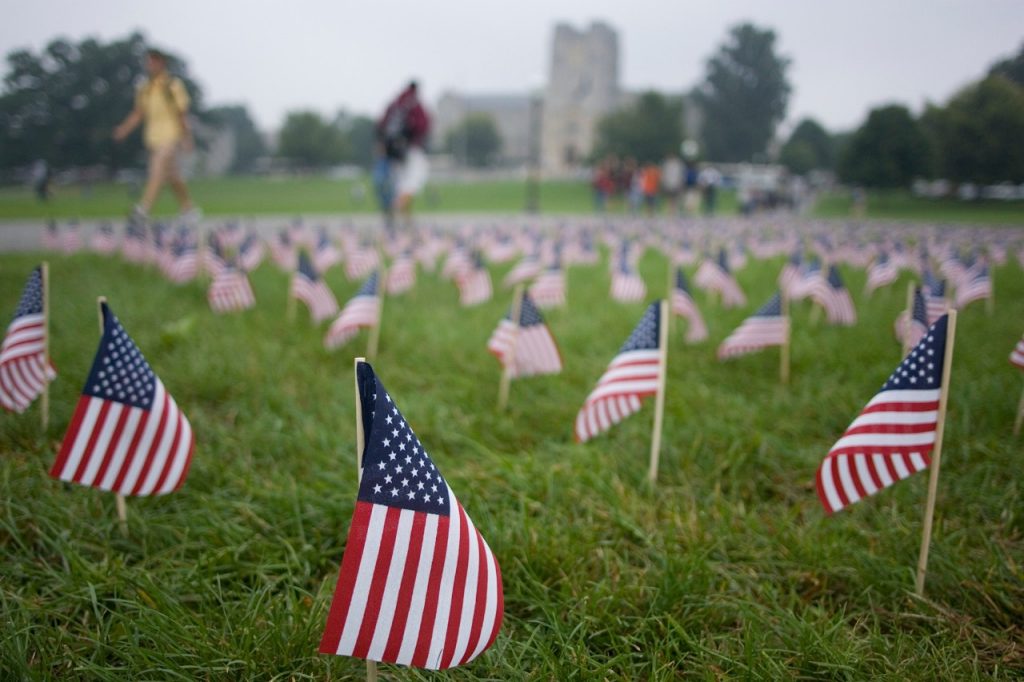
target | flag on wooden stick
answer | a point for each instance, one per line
(25, 370)
(767, 327)
(418, 584)
(230, 291)
(362, 310)
(127, 433)
(683, 305)
(475, 284)
(308, 287)
(1017, 354)
(894, 433)
(527, 348)
(632, 375)
(912, 325)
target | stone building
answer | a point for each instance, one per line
(511, 115)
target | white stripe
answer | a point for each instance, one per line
(640, 386)
(92, 411)
(490, 601)
(881, 469)
(447, 586)
(419, 591)
(884, 440)
(864, 474)
(894, 418)
(130, 425)
(917, 461)
(364, 579)
(828, 485)
(152, 423)
(922, 396)
(900, 467)
(843, 466)
(389, 599)
(160, 456)
(102, 443)
(180, 456)
(469, 593)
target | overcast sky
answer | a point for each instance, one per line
(276, 56)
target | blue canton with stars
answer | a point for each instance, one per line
(919, 311)
(369, 287)
(32, 296)
(397, 471)
(681, 281)
(773, 308)
(645, 335)
(922, 369)
(119, 372)
(834, 279)
(529, 316)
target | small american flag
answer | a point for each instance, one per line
(683, 305)
(790, 273)
(402, 274)
(326, 255)
(632, 375)
(1017, 354)
(975, 285)
(475, 284)
(214, 259)
(526, 269)
(310, 288)
(360, 260)
(135, 246)
(250, 253)
(230, 291)
(810, 283)
(627, 285)
(183, 264)
(894, 433)
(362, 310)
(127, 434)
(24, 368)
(715, 276)
(103, 239)
(534, 347)
(881, 273)
(836, 300)
(51, 237)
(548, 291)
(767, 327)
(72, 239)
(934, 297)
(418, 584)
(912, 325)
(283, 251)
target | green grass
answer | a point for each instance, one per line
(253, 196)
(729, 569)
(899, 205)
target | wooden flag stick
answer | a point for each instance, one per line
(510, 355)
(46, 344)
(374, 341)
(122, 507)
(933, 476)
(659, 403)
(908, 323)
(1020, 415)
(784, 351)
(371, 666)
(990, 303)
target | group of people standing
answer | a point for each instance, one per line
(683, 186)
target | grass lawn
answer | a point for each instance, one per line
(904, 206)
(729, 569)
(254, 196)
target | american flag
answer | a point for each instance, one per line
(402, 274)
(894, 434)
(714, 276)
(127, 434)
(526, 269)
(810, 284)
(103, 239)
(836, 299)
(326, 255)
(51, 237)
(230, 291)
(360, 261)
(458, 263)
(311, 289)
(627, 285)
(934, 297)
(912, 324)
(881, 273)
(24, 368)
(548, 291)
(250, 253)
(475, 284)
(975, 285)
(790, 273)
(683, 305)
(767, 327)
(72, 239)
(135, 247)
(283, 251)
(631, 376)
(214, 259)
(1017, 354)
(362, 310)
(531, 341)
(418, 584)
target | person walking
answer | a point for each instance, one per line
(161, 105)
(402, 135)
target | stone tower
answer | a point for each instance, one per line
(583, 86)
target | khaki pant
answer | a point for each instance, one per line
(163, 164)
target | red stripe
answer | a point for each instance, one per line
(855, 477)
(170, 453)
(188, 460)
(69, 437)
(892, 428)
(883, 449)
(419, 658)
(94, 435)
(458, 593)
(381, 571)
(115, 438)
(821, 492)
(481, 600)
(929, 406)
(154, 445)
(499, 613)
(869, 463)
(130, 453)
(347, 575)
(838, 483)
(412, 568)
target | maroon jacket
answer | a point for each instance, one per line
(416, 122)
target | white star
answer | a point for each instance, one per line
(412, 495)
(394, 433)
(387, 479)
(387, 442)
(391, 456)
(380, 465)
(433, 488)
(394, 492)
(401, 446)
(405, 482)
(376, 489)
(388, 419)
(426, 498)
(419, 486)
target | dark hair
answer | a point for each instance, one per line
(412, 85)
(156, 54)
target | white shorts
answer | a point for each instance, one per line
(412, 174)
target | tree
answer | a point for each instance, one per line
(888, 151)
(977, 136)
(808, 148)
(744, 95)
(648, 130)
(249, 145)
(62, 104)
(1011, 67)
(475, 141)
(308, 140)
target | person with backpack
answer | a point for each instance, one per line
(161, 104)
(402, 137)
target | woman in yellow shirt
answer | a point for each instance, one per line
(161, 104)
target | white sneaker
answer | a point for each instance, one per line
(192, 216)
